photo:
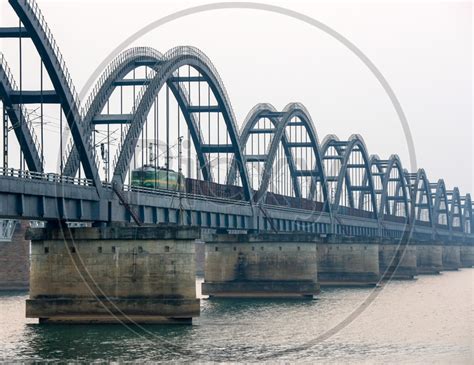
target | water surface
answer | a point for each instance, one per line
(427, 320)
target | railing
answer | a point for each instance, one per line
(175, 193)
(50, 177)
(23, 110)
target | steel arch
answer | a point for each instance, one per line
(259, 111)
(344, 151)
(172, 60)
(416, 196)
(43, 40)
(292, 110)
(454, 201)
(467, 214)
(384, 171)
(116, 71)
(280, 121)
(20, 122)
(439, 196)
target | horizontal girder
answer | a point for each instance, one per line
(112, 119)
(35, 97)
(13, 32)
(132, 82)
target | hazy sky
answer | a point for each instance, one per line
(422, 48)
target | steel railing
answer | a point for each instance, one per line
(50, 177)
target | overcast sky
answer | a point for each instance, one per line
(423, 49)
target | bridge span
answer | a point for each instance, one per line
(156, 159)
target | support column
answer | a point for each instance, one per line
(397, 259)
(261, 265)
(200, 257)
(429, 257)
(467, 254)
(451, 256)
(15, 260)
(348, 261)
(113, 274)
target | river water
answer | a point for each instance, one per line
(427, 320)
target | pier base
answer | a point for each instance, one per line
(429, 257)
(262, 265)
(467, 255)
(397, 260)
(114, 274)
(348, 261)
(451, 256)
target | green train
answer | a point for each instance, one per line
(158, 178)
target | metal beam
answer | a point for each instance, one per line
(112, 119)
(204, 109)
(187, 79)
(262, 131)
(217, 148)
(335, 157)
(256, 158)
(150, 63)
(356, 165)
(132, 82)
(35, 97)
(270, 114)
(13, 32)
(306, 172)
(299, 144)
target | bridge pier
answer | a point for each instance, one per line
(397, 259)
(467, 254)
(348, 261)
(113, 274)
(429, 257)
(261, 265)
(451, 256)
(14, 260)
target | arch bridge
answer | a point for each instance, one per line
(170, 113)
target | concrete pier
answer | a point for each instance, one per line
(397, 259)
(14, 260)
(451, 256)
(348, 261)
(429, 257)
(261, 265)
(467, 254)
(113, 274)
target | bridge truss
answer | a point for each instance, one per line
(172, 111)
